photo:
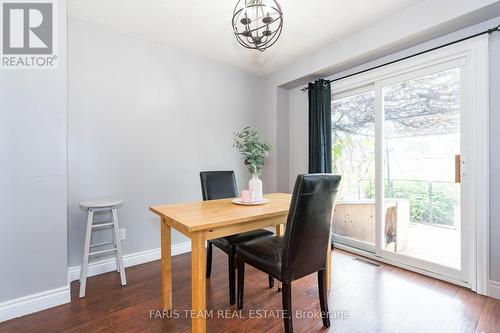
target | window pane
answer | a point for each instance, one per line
(422, 137)
(353, 157)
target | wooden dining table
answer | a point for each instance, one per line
(205, 220)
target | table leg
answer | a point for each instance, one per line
(198, 287)
(329, 264)
(166, 266)
(280, 230)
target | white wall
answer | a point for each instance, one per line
(144, 120)
(33, 256)
(419, 23)
(495, 156)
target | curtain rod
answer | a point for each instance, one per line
(489, 31)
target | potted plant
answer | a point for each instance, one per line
(254, 153)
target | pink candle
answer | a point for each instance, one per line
(247, 196)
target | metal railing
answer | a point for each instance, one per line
(431, 202)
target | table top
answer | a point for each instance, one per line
(204, 215)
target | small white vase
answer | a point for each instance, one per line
(255, 184)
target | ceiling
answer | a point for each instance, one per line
(203, 27)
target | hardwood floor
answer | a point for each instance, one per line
(372, 299)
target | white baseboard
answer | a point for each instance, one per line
(50, 298)
(33, 303)
(494, 289)
(109, 264)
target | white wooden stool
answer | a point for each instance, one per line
(101, 206)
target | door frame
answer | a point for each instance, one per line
(473, 56)
(464, 274)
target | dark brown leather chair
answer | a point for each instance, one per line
(222, 185)
(303, 248)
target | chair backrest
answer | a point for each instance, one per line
(218, 185)
(308, 226)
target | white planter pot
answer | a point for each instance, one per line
(255, 184)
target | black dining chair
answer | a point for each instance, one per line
(222, 185)
(304, 247)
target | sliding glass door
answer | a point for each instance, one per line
(399, 143)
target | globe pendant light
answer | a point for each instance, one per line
(257, 24)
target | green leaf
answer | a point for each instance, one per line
(252, 150)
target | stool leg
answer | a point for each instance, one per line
(114, 241)
(116, 227)
(86, 248)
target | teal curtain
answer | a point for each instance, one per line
(320, 127)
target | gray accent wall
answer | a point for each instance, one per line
(33, 255)
(282, 140)
(144, 120)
